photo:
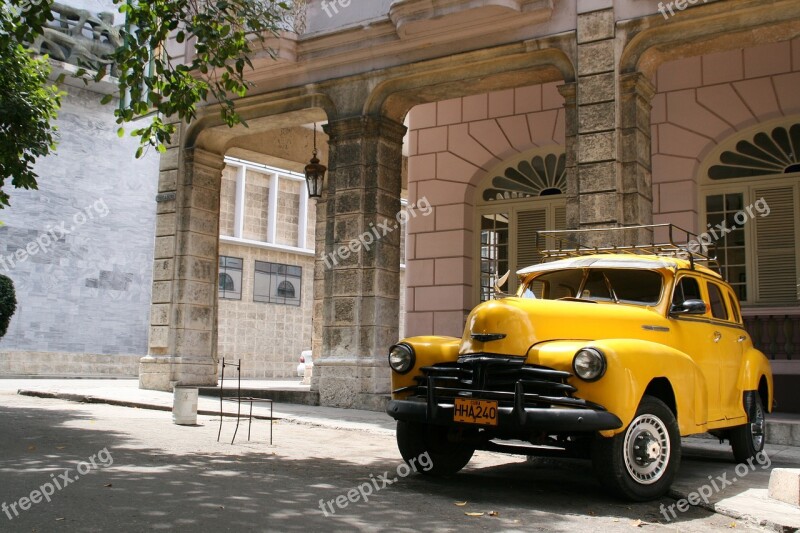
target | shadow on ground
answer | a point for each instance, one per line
(250, 486)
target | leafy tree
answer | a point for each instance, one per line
(8, 303)
(224, 33)
(28, 104)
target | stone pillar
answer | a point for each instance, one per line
(613, 132)
(361, 283)
(317, 321)
(570, 93)
(183, 332)
(636, 95)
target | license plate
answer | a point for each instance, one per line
(483, 412)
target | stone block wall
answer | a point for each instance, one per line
(84, 302)
(453, 145)
(267, 337)
(703, 100)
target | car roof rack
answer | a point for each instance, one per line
(681, 244)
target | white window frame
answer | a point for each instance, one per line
(511, 208)
(275, 175)
(747, 187)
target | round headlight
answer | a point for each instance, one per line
(589, 364)
(401, 358)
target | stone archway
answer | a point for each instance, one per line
(183, 332)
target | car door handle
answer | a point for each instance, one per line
(742, 338)
(717, 336)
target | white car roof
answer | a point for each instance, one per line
(600, 262)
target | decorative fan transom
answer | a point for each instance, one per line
(539, 176)
(766, 154)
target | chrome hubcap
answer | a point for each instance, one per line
(757, 428)
(646, 449)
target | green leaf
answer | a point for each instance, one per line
(221, 31)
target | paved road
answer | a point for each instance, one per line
(166, 477)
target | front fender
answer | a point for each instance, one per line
(429, 351)
(632, 366)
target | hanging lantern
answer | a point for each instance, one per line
(315, 172)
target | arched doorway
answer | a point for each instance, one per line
(518, 198)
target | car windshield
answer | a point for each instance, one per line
(642, 287)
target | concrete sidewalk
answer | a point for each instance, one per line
(126, 393)
(704, 460)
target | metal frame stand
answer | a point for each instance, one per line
(239, 399)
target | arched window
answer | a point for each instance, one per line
(521, 196)
(276, 283)
(286, 290)
(749, 204)
(530, 177)
(230, 278)
(226, 282)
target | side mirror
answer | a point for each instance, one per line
(689, 307)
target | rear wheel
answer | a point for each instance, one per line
(640, 463)
(447, 449)
(748, 440)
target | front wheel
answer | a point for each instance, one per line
(748, 440)
(640, 463)
(433, 450)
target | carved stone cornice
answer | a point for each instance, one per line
(414, 18)
(364, 126)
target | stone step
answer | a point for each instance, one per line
(299, 397)
(783, 429)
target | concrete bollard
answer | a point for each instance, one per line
(184, 405)
(784, 485)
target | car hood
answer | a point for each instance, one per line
(512, 325)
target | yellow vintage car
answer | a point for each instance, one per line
(611, 354)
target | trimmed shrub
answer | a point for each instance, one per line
(8, 303)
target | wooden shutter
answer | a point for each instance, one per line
(529, 247)
(561, 217)
(776, 247)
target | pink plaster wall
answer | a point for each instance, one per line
(453, 144)
(703, 100)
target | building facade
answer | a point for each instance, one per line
(515, 116)
(80, 249)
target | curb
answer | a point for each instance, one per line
(736, 515)
(311, 422)
(82, 398)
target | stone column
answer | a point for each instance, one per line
(570, 93)
(361, 277)
(613, 132)
(636, 95)
(183, 333)
(318, 315)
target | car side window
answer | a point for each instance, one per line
(687, 289)
(718, 309)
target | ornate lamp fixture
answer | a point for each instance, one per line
(315, 173)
